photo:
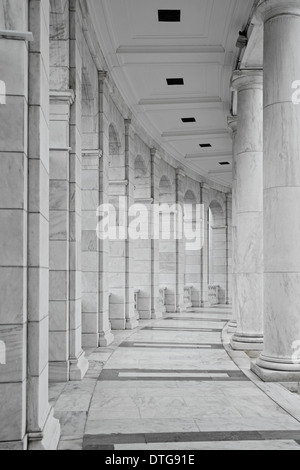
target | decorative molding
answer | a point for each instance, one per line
(221, 172)
(141, 200)
(247, 79)
(119, 183)
(208, 156)
(179, 49)
(180, 101)
(196, 133)
(65, 95)
(17, 35)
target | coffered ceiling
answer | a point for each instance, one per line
(142, 53)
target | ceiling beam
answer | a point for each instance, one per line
(220, 172)
(180, 101)
(208, 156)
(171, 49)
(207, 133)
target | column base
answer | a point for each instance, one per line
(59, 372)
(157, 314)
(132, 323)
(273, 375)
(181, 309)
(232, 326)
(242, 342)
(106, 338)
(188, 306)
(48, 439)
(78, 367)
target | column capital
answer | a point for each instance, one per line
(268, 9)
(180, 173)
(64, 96)
(247, 79)
(155, 154)
(103, 75)
(232, 124)
(204, 186)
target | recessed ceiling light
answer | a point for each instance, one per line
(224, 163)
(205, 146)
(169, 16)
(188, 120)
(175, 81)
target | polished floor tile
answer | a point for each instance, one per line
(173, 385)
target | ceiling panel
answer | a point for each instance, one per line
(142, 53)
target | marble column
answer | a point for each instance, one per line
(121, 259)
(42, 429)
(130, 313)
(180, 242)
(156, 310)
(204, 252)
(228, 289)
(91, 298)
(232, 124)
(280, 358)
(106, 336)
(62, 366)
(249, 211)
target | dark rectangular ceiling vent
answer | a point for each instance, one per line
(175, 81)
(205, 146)
(169, 16)
(224, 163)
(186, 120)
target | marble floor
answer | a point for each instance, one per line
(175, 384)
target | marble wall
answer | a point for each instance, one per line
(67, 145)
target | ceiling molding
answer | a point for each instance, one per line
(220, 172)
(180, 100)
(208, 156)
(171, 49)
(196, 133)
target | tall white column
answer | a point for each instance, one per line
(280, 358)
(180, 243)
(130, 313)
(106, 336)
(156, 310)
(232, 124)
(249, 211)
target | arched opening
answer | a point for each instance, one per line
(141, 178)
(192, 279)
(217, 253)
(167, 245)
(117, 247)
(142, 246)
(90, 192)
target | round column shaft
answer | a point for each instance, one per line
(248, 257)
(280, 358)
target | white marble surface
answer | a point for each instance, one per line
(281, 189)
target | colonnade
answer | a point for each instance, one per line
(70, 147)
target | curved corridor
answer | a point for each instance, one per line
(171, 385)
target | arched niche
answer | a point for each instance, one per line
(167, 245)
(192, 260)
(217, 248)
